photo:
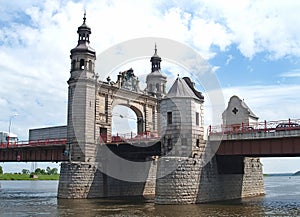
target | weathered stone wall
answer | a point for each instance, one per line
(180, 186)
(214, 186)
(85, 180)
(185, 134)
(190, 183)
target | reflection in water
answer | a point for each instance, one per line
(38, 198)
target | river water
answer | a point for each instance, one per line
(38, 198)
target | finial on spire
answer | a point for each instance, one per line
(84, 18)
(155, 49)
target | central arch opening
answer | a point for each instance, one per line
(127, 121)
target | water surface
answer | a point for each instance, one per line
(38, 198)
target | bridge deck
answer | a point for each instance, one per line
(54, 150)
(260, 140)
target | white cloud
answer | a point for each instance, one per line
(258, 26)
(291, 74)
(229, 58)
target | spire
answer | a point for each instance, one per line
(84, 18)
(84, 32)
(83, 45)
(155, 60)
(156, 81)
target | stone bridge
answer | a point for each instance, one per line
(184, 170)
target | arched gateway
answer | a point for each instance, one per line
(92, 99)
(126, 92)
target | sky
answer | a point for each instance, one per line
(252, 46)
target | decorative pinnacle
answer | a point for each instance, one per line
(155, 49)
(84, 18)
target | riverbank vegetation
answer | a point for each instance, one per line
(38, 174)
(283, 174)
(297, 173)
(12, 176)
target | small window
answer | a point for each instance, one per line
(169, 144)
(198, 143)
(82, 64)
(197, 118)
(157, 87)
(169, 117)
(90, 65)
(164, 88)
(150, 87)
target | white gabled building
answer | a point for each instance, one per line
(238, 114)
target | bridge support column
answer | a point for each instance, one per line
(86, 180)
(188, 182)
(178, 180)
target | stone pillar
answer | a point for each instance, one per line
(180, 185)
(80, 180)
(87, 180)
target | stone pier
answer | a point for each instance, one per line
(87, 180)
(191, 183)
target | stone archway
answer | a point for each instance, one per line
(123, 111)
(144, 106)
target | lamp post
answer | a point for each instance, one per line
(9, 126)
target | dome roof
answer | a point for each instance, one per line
(156, 74)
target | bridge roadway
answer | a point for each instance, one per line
(261, 140)
(271, 140)
(54, 150)
(41, 150)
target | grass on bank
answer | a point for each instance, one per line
(10, 176)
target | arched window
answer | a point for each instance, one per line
(82, 64)
(164, 88)
(150, 87)
(157, 87)
(90, 65)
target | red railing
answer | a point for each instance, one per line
(265, 126)
(45, 142)
(133, 137)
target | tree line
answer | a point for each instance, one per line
(38, 171)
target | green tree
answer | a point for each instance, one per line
(1, 170)
(48, 170)
(54, 171)
(40, 171)
(25, 171)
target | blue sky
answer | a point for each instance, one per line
(252, 46)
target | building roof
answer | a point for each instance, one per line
(181, 89)
(251, 114)
(244, 105)
(192, 86)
